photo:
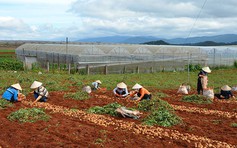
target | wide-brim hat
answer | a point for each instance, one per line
(16, 86)
(206, 69)
(35, 84)
(225, 88)
(137, 86)
(121, 85)
(98, 81)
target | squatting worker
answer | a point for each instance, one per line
(201, 74)
(40, 92)
(140, 92)
(13, 94)
(121, 90)
(226, 92)
(96, 85)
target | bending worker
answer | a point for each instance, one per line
(121, 90)
(96, 85)
(13, 94)
(140, 92)
(40, 92)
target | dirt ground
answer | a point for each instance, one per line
(86, 130)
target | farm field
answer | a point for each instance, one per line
(70, 125)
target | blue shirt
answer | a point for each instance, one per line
(11, 94)
(95, 85)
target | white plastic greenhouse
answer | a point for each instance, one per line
(105, 53)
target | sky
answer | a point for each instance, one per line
(79, 19)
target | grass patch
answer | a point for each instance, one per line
(161, 113)
(107, 109)
(29, 115)
(4, 104)
(198, 99)
(77, 96)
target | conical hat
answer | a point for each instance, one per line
(137, 86)
(16, 86)
(121, 85)
(35, 85)
(98, 81)
(206, 69)
(225, 88)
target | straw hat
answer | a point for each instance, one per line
(121, 85)
(225, 88)
(16, 86)
(206, 69)
(98, 81)
(35, 85)
(137, 86)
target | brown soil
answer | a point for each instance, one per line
(75, 131)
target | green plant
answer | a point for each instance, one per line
(4, 104)
(235, 64)
(233, 124)
(10, 64)
(81, 95)
(193, 67)
(199, 99)
(107, 109)
(161, 112)
(29, 115)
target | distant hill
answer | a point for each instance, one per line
(120, 39)
(225, 38)
(159, 42)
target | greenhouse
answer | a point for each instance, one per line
(106, 54)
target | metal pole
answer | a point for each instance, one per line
(188, 67)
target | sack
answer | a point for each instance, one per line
(87, 89)
(128, 113)
(234, 88)
(208, 93)
(183, 90)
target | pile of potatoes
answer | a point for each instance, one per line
(205, 111)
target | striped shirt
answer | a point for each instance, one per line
(42, 91)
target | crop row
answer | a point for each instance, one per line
(205, 111)
(150, 131)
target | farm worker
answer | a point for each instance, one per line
(13, 94)
(226, 92)
(140, 92)
(121, 90)
(96, 85)
(40, 92)
(202, 79)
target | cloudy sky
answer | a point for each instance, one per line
(78, 19)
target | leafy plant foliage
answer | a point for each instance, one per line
(199, 99)
(29, 115)
(161, 113)
(10, 64)
(81, 95)
(4, 104)
(107, 109)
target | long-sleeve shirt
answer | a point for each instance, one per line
(11, 94)
(121, 91)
